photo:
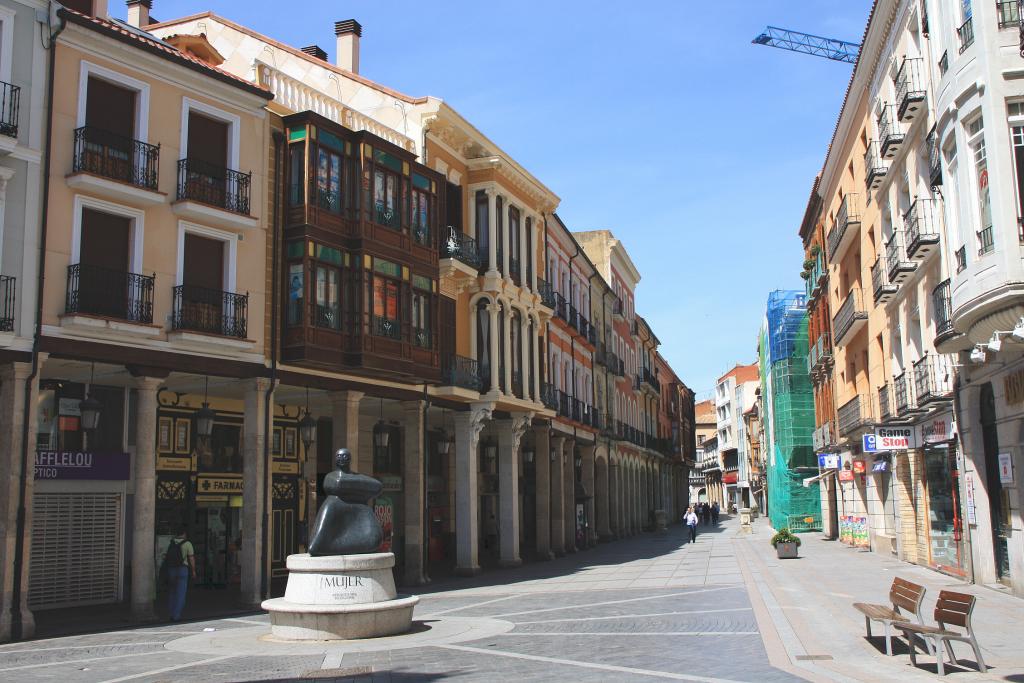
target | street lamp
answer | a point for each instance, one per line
(89, 408)
(307, 427)
(528, 454)
(381, 434)
(205, 415)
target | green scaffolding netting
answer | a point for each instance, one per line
(789, 417)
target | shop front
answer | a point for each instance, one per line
(942, 471)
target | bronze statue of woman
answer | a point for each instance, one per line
(345, 523)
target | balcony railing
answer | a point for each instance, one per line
(848, 215)
(944, 63)
(933, 379)
(574, 317)
(884, 413)
(547, 292)
(986, 243)
(211, 311)
(882, 288)
(854, 414)
(576, 409)
(649, 377)
(850, 313)
(966, 34)
(922, 225)
(943, 307)
(903, 394)
(1008, 13)
(7, 295)
(459, 371)
(875, 167)
(549, 396)
(564, 401)
(961, 258)
(890, 133)
(910, 86)
(10, 105)
(934, 159)
(210, 184)
(386, 327)
(116, 157)
(94, 290)
(897, 266)
(461, 247)
(561, 307)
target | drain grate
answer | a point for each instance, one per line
(337, 673)
(814, 658)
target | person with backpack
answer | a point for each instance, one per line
(179, 564)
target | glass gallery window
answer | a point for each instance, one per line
(420, 208)
(386, 295)
(324, 267)
(328, 171)
(330, 183)
(422, 327)
(382, 182)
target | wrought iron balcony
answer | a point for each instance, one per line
(461, 247)
(7, 297)
(884, 413)
(848, 217)
(116, 157)
(549, 396)
(10, 105)
(94, 290)
(564, 401)
(943, 308)
(561, 307)
(890, 133)
(459, 371)
(933, 379)
(854, 414)
(1008, 12)
(547, 293)
(910, 88)
(903, 395)
(986, 241)
(211, 311)
(851, 316)
(650, 379)
(923, 229)
(875, 167)
(961, 258)
(386, 327)
(944, 63)
(897, 266)
(576, 409)
(934, 159)
(966, 34)
(210, 184)
(883, 289)
(574, 317)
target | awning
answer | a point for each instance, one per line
(815, 479)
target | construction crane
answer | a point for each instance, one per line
(829, 48)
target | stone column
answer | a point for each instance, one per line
(542, 484)
(255, 520)
(588, 483)
(557, 499)
(468, 426)
(492, 225)
(345, 428)
(13, 414)
(492, 310)
(413, 479)
(144, 507)
(569, 493)
(510, 434)
(601, 495)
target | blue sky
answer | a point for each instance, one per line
(656, 120)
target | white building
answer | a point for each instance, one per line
(734, 395)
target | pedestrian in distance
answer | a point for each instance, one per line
(179, 564)
(690, 518)
(714, 513)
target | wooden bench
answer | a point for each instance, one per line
(952, 608)
(903, 595)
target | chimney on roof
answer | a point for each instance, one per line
(315, 51)
(348, 31)
(138, 12)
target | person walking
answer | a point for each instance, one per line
(714, 513)
(179, 565)
(690, 518)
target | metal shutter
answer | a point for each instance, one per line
(76, 549)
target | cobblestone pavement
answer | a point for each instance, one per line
(645, 608)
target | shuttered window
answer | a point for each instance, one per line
(76, 549)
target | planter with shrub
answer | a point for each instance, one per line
(786, 543)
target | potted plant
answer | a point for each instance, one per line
(786, 543)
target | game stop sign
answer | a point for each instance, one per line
(894, 438)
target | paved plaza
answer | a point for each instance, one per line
(646, 608)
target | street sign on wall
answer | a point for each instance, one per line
(869, 445)
(829, 461)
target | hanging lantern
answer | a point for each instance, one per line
(89, 409)
(381, 433)
(528, 455)
(444, 444)
(204, 420)
(307, 430)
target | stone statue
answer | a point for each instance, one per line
(346, 524)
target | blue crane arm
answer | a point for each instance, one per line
(795, 41)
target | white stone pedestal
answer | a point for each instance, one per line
(340, 597)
